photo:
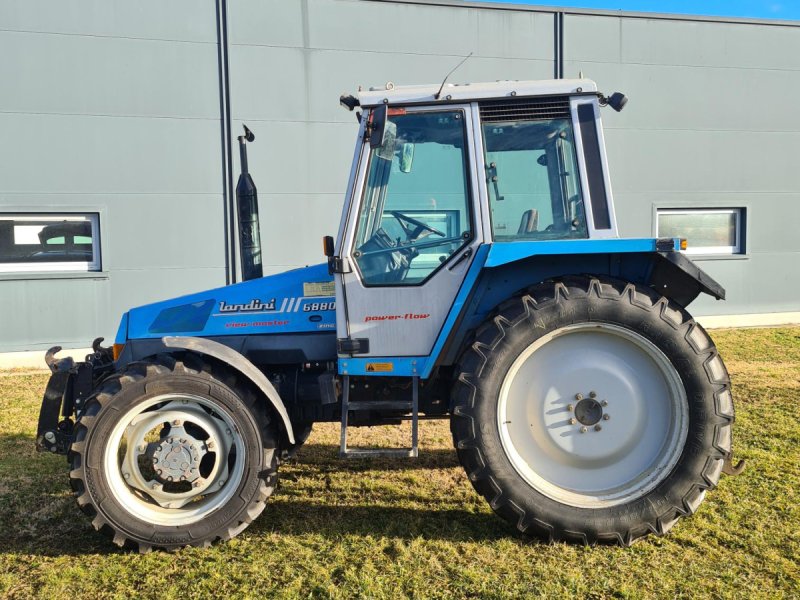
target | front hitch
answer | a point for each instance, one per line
(65, 364)
(66, 393)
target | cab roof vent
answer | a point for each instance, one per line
(525, 109)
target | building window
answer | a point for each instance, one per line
(49, 242)
(707, 231)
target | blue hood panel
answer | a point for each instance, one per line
(297, 301)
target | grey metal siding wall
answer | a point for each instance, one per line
(110, 107)
(712, 122)
(290, 61)
(114, 107)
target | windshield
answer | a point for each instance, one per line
(533, 181)
(415, 210)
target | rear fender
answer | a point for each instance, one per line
(678, 278)
(238, 362)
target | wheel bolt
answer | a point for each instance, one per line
(196, 484)
(606, 417)
(569, 407)
(228, 431)
(578, 396)
(221, 483)
(155, 460)
(584, 430)
(126, 475)
(572, 421)
(159, 471)
(210, 444)
(598, 427)
(604, 403)
(592, 394)
(169, 478)
(177, 422)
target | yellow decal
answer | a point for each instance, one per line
(319, 288)
(380, 367)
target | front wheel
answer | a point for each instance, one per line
(592, 411)
(172, 453)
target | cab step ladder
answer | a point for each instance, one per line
(412, 406)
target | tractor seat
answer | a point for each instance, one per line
(529, 222)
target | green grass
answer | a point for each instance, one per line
(416, 528)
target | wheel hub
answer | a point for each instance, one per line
(588, 412)
(177, 459)
(181, 475)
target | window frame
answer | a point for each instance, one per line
(470, 196)
(737, 249)
(56, 267)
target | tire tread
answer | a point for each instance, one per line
(525, 308)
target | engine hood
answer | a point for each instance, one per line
(297, 301)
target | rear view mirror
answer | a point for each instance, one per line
(386, 151)
(406, 157)
(377, 122)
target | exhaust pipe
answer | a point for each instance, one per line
(247, 204)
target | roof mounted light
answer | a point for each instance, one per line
(617, 101)
(349, 101)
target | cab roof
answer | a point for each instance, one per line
(466, 92)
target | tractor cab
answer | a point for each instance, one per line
(439, 174)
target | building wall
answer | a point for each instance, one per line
(118, 108)
(110, 107)
(711, 123)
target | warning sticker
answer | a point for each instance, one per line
(319, 288)
(380, 367)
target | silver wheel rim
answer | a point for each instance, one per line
(174, 459)
(593, 415)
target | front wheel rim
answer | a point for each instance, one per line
(174, 459)
(593, 415)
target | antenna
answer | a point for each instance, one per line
(439, 93)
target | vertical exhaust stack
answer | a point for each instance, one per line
(247, 203)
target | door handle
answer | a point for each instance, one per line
(460, 259)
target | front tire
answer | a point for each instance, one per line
(592, 411)
(172, 453)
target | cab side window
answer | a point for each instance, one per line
(533, 180)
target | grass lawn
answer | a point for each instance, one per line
(416, 528)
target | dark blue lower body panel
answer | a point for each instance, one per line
(280, 349)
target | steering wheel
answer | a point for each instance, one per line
(413, 234)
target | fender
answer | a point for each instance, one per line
(241, 364)
(681, 280)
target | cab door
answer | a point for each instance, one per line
(411, 233)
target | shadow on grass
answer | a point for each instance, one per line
(303, 517)
(325, 457)
(39, 516)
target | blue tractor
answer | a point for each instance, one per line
(477, 276)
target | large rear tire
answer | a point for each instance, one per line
(592, 411)
(171, 453)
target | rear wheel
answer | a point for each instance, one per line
(173, 453)
(591, 410)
